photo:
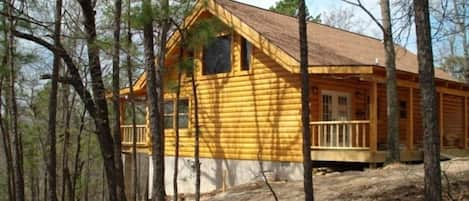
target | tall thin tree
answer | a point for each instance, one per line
(155, 106)
(17, 150)
(391, 85)
(431, 136)
(120, 189)
(305, 111)
(51, 137)
(129, 64)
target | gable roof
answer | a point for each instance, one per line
(327, 46)
(277, 36)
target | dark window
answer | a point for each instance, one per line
(246, 50)
(403, 109)
(217, 56)
(168, 114)
(183, 113)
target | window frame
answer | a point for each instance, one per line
(203, 56)
(246, 55)
(187, 113)
(167, 114)
(173, 114)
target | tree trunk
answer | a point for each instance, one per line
(67, 105)
(120, 185)
(154, 93)
(78, 163)
(7, 147)
(431, 145)
(176, 129)
(196, 136)
(135, 180)
(115, 184)
(160, 169)
(51, 137)
(391, 86)
(17, 150)
(307, 164)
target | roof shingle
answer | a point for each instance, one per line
(327, 46)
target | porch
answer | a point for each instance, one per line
(350, 141)
(142, 140)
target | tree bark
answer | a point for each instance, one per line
(17, 150)
(51, 137)
(176, 129)
(120, 185)
(135, 179)
(114, 182)
(154, 92)
(7, 147)
(430, 118)
(305, 110)
(391, 86)
(196, 137)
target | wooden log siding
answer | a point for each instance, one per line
(247, 115)
(403, 96)
(453, 121)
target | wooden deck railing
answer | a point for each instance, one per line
(127, 134)
(340, 134)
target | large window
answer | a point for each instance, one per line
(170, 116)
(217, 56)
(246, 50)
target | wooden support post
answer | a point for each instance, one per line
(374, 116)
(442, 128)
(410, 121)
(466, 123)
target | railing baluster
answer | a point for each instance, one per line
(364, 135)
(340, 134)
(349, 135)
(357, 135)
(314, 128)
(320, 134)
(337, 135)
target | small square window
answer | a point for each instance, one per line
(246, 51)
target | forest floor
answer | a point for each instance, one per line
(394, 182)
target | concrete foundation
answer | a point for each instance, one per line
(219, 173)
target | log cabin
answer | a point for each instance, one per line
(248, 84)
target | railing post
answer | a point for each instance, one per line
(374, 116)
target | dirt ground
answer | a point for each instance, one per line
(395, 182)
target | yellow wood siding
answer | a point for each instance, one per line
(244, 114)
